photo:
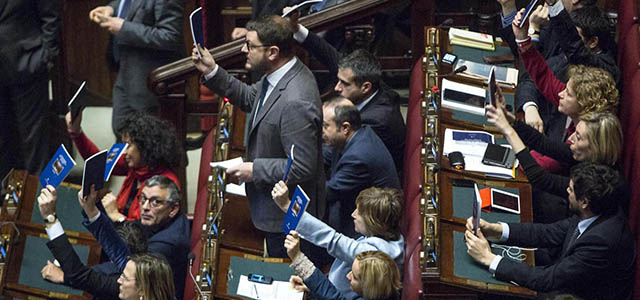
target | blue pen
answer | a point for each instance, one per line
(4, 252)
(15, 197)
(225, 131)
(289, 163)
(208, 278)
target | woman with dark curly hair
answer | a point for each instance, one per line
(153, 150)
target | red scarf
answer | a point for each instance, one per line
(139, 175)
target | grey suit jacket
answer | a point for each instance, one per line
(292, 114)
(151, 36)
(28, 39)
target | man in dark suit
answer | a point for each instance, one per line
(598, 250)
(359, 80)
(29, 45)
(74, 273)
(167, 229)
(283, 109)
(146, 35)
(360, 160)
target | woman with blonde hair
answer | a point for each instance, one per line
(377, 217)
(374, 275)
(147, 277)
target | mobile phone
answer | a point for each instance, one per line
(449, 58)
(260, 278)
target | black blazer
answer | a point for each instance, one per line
(29, 37)
(382, 113)
(79, 276)
(598, 265)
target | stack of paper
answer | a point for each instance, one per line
(472, 145)
(471, 39)
(277, 290)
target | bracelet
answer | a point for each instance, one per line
(524, 43)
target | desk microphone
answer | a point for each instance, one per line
(191, 258)
(456, 71)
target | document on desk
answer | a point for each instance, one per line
(277, 290)
(225, 164)
(472, 145)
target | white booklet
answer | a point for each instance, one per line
(225, 164)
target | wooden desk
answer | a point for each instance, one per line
(447, 270)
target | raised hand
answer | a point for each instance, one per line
(292, 244)
(280, 195)
(205, 64)
(47, 201)
(520, 33)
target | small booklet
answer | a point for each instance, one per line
(530, 7)
(58, 168)
(289, 163)
(298, 205)
(296, 7)
(492, 88)
(93, 173)
(477, 209)
(75, 107)
(471, 39)
(197, 34)
(113, 156)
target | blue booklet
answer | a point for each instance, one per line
(93, 173)
(289, 163)
(113, 156)
(298, 205)
(197, 34)
(58, 168)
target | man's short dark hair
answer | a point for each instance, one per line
(273, 30)
(600, 185)
(593, 22)
(365, 67)
(165, 183)
(347, 113)
(133, 234)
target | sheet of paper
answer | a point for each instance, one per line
(225, 164)
(235, 189)
(277, 290)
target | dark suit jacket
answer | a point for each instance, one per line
(29, 37)
(598, 265)
(292, 114)
(79, 276)
(171, 240)
(151, 36)
(382, 113)
(364, 162)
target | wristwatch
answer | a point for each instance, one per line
(50, 219)
(533, 31)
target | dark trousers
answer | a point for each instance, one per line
(24, 127)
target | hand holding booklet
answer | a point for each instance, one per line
(58, 168)
(197, 34)
(298, 205)
(93, 173)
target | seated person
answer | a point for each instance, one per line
(377, 216)
(166, 228)
(359, 160)
(597, 138)
(74, 273)
(147, 277)
(587, 90)
(359, 79)
(598, 250)
(373, 275)
(153, 150)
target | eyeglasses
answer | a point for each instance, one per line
(249, 46)
(124, 277)
(155, 202)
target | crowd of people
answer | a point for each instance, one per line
(349, 156)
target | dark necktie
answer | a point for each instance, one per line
(574, 237)
(123, 14)
(263, 93)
